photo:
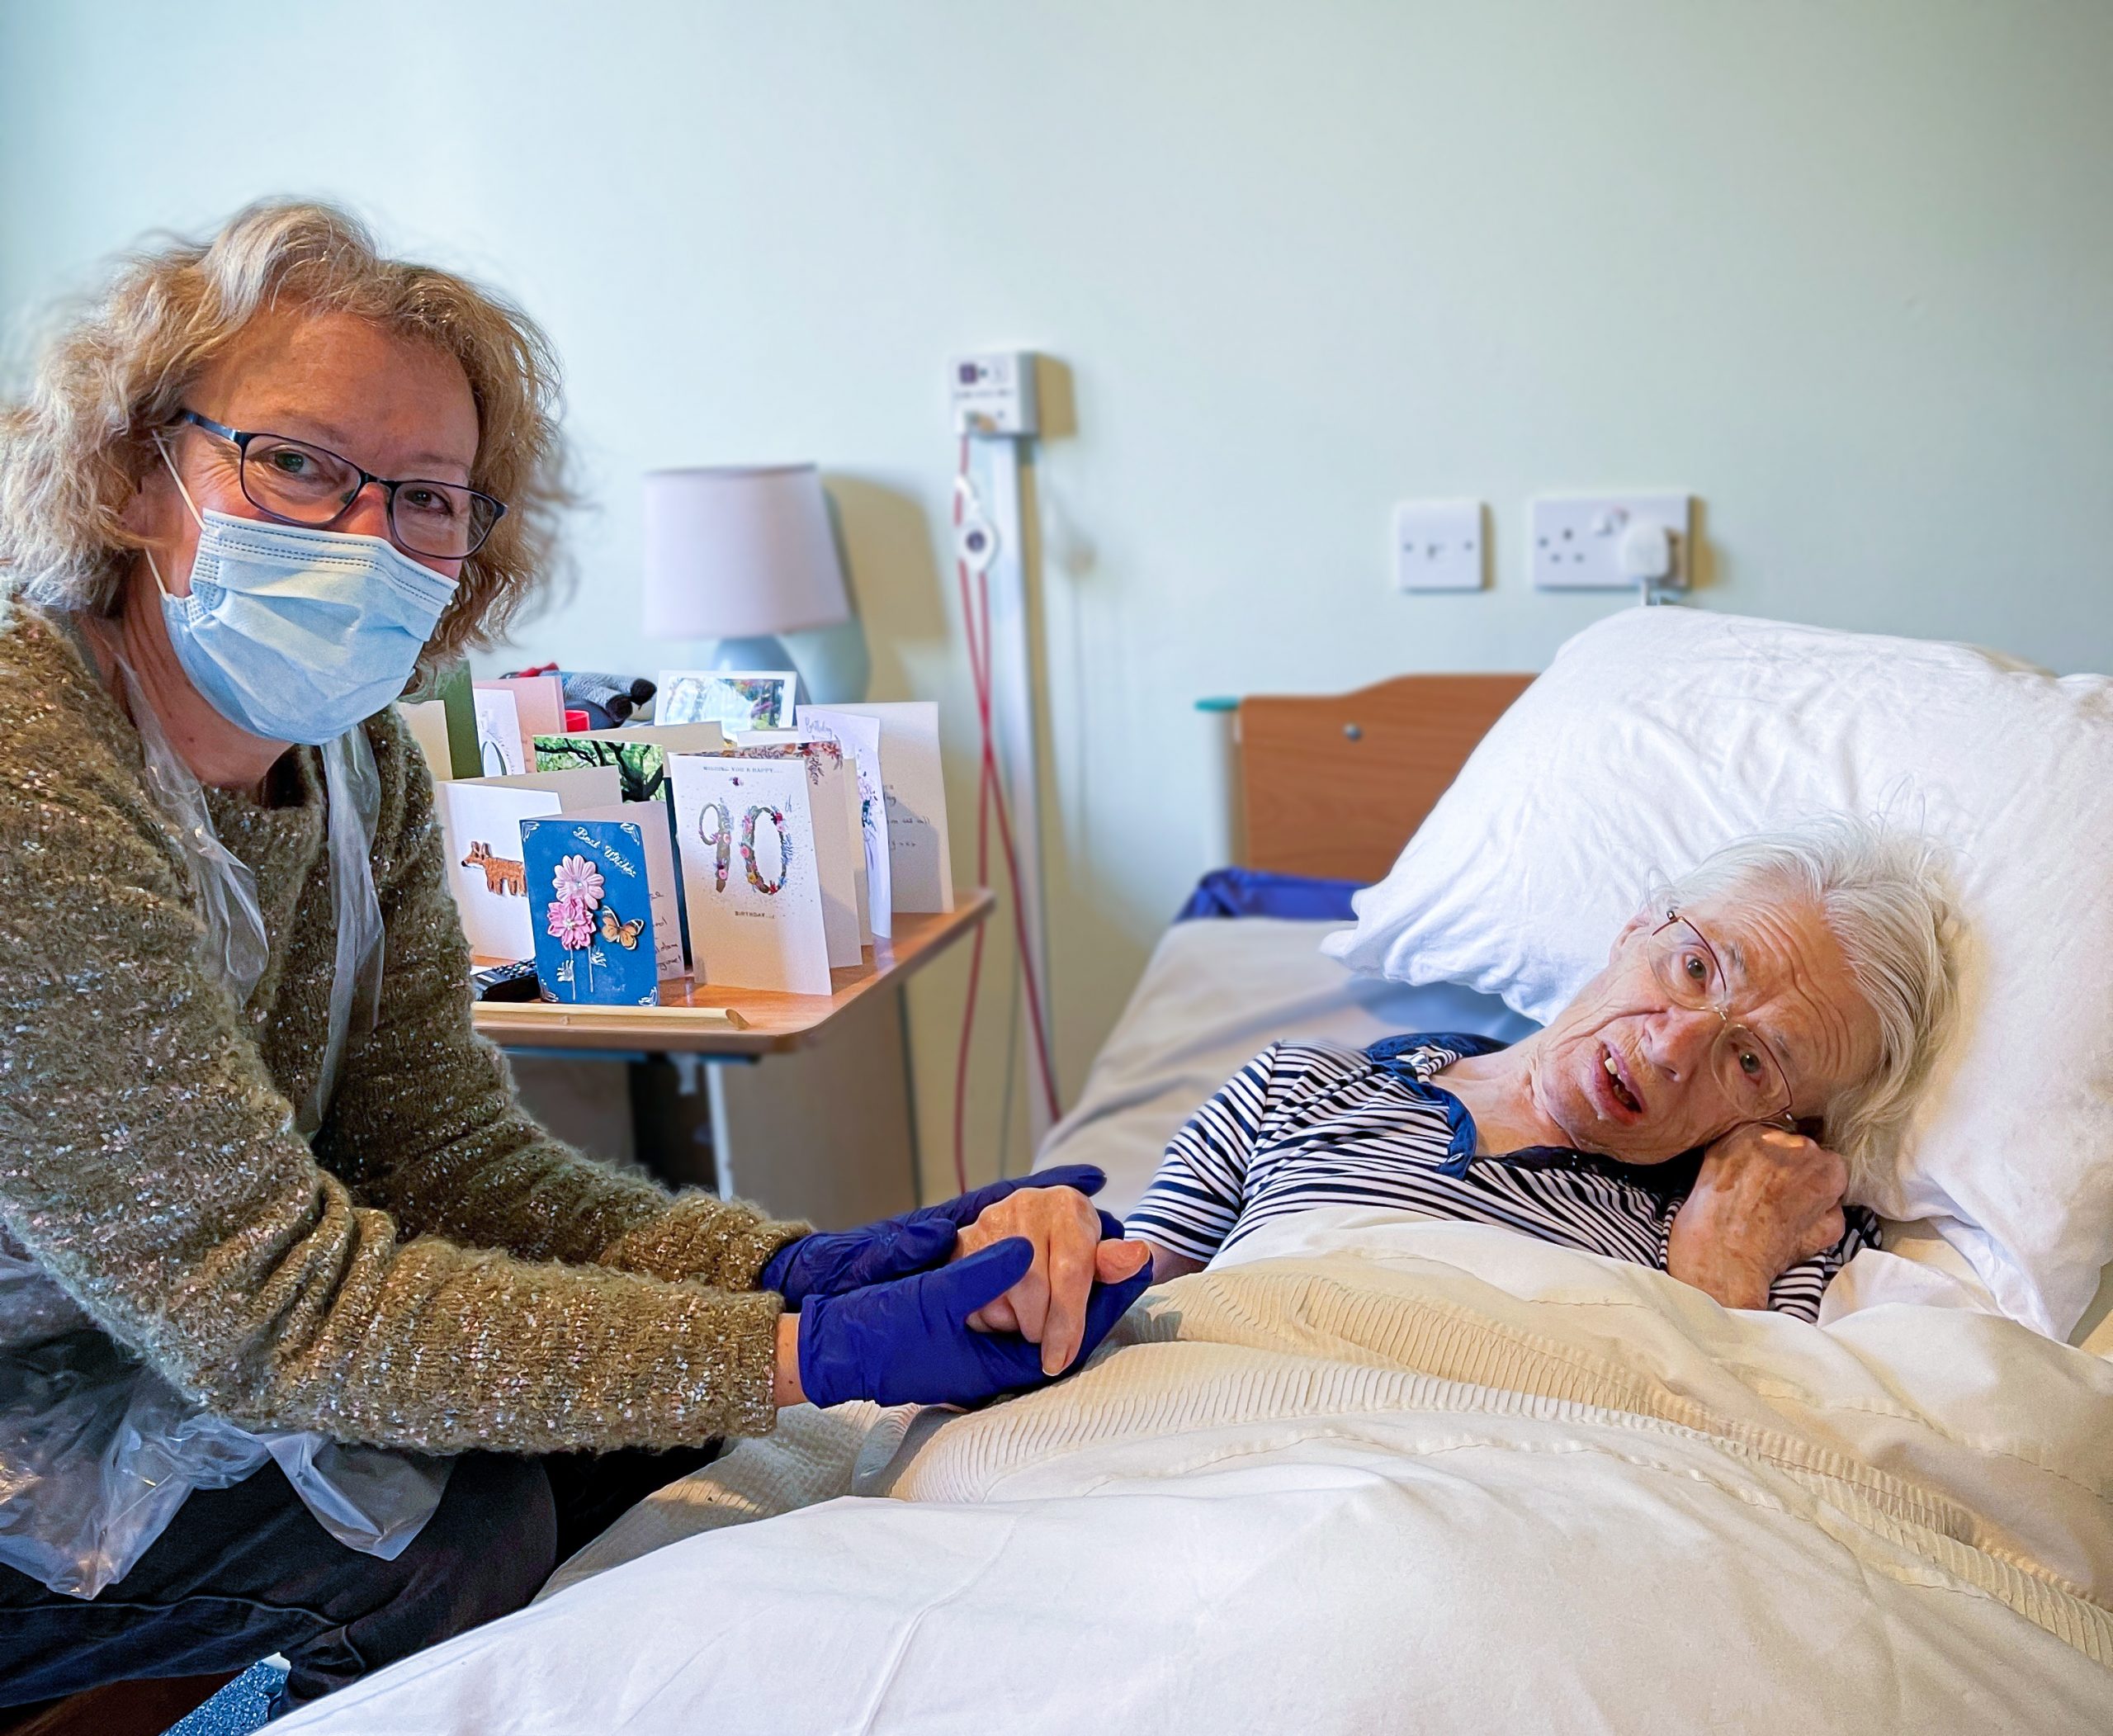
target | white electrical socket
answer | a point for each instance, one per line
(993, 393)
(1574, 541)
(1439, 545)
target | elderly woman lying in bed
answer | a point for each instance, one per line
(1791, 984)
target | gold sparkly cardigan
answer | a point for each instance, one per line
(439, 1272)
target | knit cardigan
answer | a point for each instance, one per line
(434, 1271)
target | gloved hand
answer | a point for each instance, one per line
(909, 1342)
(830, 1262)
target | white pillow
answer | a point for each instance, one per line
(1659, 733)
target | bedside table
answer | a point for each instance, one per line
(822, 1129)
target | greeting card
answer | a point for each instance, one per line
(752, 886)
(638, 753)
(919, 867)
(480, 823)
(751, 699)
(591, 897)
(426, 719)
(664, 880)
(838, 854)
(499, 748)
(538, 707)
(455, 695)
(860, 738)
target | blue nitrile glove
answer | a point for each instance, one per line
(909, 1342)
(830, 1262)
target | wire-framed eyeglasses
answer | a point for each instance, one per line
(1746, 1069)
(303, 484)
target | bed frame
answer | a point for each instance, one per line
(1332, 787)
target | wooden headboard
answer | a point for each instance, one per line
(1333, 786)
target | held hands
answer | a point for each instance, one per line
(830, 1262)
(875, 1318)
(909, 1341)
(1076, 1249)
(1764, 1200)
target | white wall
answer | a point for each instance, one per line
(1844, 270)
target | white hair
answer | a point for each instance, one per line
(1884, 896)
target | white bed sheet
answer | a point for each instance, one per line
(1374, 1474)
(1216, 992)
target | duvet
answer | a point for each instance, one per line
(1377, 1475)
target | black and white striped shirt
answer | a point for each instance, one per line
(1307, 1124)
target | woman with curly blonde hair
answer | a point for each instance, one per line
(264, 1193)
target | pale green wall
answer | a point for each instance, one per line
(1845, 270)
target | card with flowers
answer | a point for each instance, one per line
(860, 736)
(590, 891)
(752, 884)
(920, 868)
(840, 856)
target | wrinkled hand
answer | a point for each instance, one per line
(907, 1341)
(1764, 1200)
(834, 1262)
(1074, 1248)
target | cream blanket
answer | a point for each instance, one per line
(1377, 1475)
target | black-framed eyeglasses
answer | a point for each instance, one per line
(303, 484)
(1744, 1067)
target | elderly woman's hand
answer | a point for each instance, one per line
(1074, 1247)
(1764, 1199)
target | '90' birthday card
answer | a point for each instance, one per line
(745, 830)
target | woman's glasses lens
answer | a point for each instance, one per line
(308, 484)
(303, 482)
(439, 518)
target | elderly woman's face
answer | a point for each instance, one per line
(1674, 1082)
(395, 407)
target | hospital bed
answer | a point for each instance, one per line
(1377, 1474)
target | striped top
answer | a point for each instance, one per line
(1307, 1124)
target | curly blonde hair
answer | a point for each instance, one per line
(73, 449)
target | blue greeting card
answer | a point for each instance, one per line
(590, 899)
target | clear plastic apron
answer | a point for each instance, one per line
(96, 1451)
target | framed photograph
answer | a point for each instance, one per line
(744, 699)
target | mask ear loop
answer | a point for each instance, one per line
(161, 446)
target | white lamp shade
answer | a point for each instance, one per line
(738, 550)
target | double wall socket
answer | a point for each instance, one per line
(1575, 541)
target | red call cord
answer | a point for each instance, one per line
(990, 796)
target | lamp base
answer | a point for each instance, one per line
(757, 651)
(833, 663)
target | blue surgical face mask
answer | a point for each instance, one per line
(297, 634)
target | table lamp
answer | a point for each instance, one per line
(740, 554)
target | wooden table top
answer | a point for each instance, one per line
(769, 1022)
